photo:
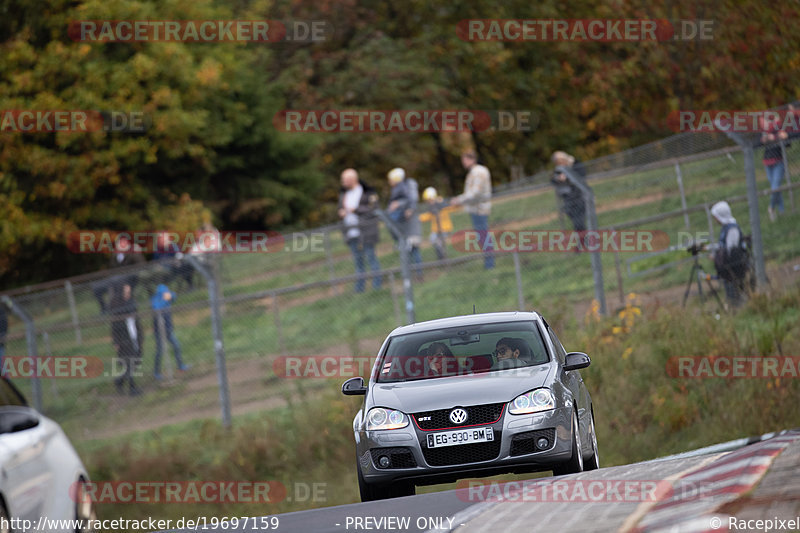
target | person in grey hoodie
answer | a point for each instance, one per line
(730, 259)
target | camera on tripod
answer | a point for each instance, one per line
(696, 247)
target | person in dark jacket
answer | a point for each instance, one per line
(126, 335)
(572, 202)
(357, 205)
(126, 253)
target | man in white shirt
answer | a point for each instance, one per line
(477, 200)
(357, 205)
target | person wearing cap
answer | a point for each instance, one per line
(477, 199)
(402, 211)
(438, 214)
(730, 259)
(357, 205)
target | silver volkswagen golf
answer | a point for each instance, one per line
(473, 395)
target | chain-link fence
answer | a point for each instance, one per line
(212, 336)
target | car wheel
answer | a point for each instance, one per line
(84, 508)
(594, 461)
(575, 462)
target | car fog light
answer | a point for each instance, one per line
(542, 443)
(383, 461)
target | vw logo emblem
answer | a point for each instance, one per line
(458, 416)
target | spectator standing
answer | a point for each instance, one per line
(572, 202)
(477, 200)
(357, 205)
(161, 303)
(402, 210)
(730, 259)
(772, 138)
(126, 335)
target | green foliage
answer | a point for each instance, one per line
(209, 142)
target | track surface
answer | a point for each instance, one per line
(686, 493)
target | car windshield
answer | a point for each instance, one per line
(462, 351)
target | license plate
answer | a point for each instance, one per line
(461, 436)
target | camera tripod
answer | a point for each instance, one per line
(697, 275)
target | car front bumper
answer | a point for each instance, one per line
(514, 450)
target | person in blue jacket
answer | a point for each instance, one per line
(161, 302)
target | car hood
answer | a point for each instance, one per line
(448, 392)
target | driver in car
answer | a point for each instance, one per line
(441, 360)
(507, 352)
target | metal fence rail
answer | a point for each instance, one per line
(221, 337)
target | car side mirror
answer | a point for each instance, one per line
(14, 420)
(354, 387)
(576, 361)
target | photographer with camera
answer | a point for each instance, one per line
(731, 258)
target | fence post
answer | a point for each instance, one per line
(30, 339)
(786, 172)
(393, 292)
(402, 241)
(618, 267)
(752, 202)
(518, 273)
(162, 346)
(219, 346)
(329, 260)
(278, 328)
(73, 311)
(679, 177)
(49, 352)
(710, 223)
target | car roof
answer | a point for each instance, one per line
(466, 320)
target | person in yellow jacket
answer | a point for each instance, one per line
(438, 213)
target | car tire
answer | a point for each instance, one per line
(593, 463)
(84, 508)
(371, 493)
(575, 463)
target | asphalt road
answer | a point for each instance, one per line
(683, 493)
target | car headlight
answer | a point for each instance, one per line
(380, 418)
(532, 402)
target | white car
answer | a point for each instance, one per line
(42, 479)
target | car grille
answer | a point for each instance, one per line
(399, 457)
(525, 443)
(463, 453)
(476, 415)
